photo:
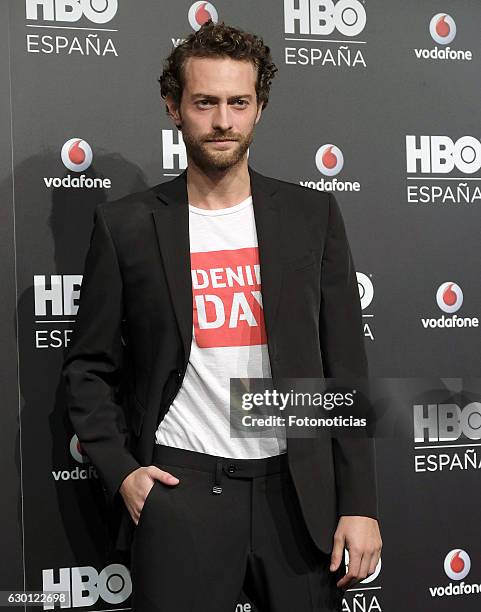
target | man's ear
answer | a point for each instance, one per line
(259, 111)
(173, 111)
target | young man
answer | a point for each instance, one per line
(222, 273)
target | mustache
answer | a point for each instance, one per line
(221, 137)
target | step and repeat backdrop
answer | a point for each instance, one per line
(378, 102)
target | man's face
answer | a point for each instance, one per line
(218, 103)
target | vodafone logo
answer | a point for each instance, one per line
(86, 471)
(77, 154)
(457, 564)
(442, 28)
(329, 159)
(449, 297)
(76, 450)
(200, 12)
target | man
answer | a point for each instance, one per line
(163, 313)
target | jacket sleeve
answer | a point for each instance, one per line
(92, 366)
(343, 353)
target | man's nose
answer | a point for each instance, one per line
(222, 118)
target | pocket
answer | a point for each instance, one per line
(144, 507)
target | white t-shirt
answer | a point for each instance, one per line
(228, 337)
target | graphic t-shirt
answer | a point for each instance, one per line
(228, 337)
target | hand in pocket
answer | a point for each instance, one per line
(137, 486)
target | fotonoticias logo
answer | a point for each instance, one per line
(200, 12)
(77, 154)
(449, 297)
(442, 28)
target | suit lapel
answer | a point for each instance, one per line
(267, 213)
(171, 218)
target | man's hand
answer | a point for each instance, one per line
(136, 486)
(361, 536)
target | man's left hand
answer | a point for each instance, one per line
(361, 536)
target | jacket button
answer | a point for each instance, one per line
(231, 469)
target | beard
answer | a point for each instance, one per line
(206, 157)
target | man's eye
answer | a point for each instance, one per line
(241, 102)
(201, 102)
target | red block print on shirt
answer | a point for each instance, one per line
(227, 299)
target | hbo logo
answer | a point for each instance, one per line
(442, 154)
(446, 422)
(85, 585)
(98, 11)
(322, 17)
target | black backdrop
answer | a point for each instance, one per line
(377, 101)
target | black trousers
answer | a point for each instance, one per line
(228, 525)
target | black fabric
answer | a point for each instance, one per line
(195, 550)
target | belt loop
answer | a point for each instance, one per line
(217, 489)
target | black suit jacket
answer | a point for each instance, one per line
(131, 342)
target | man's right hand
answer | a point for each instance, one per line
(136, 486)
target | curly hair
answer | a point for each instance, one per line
(218, 40)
